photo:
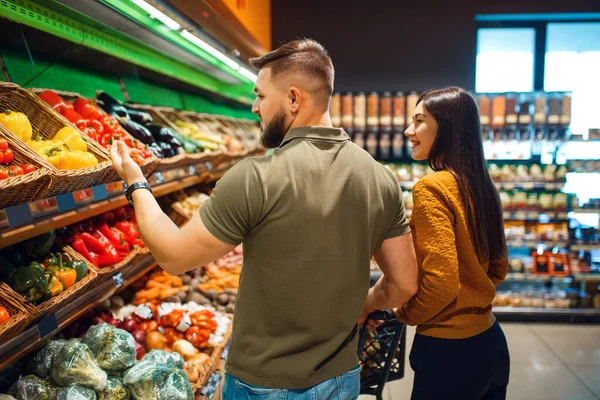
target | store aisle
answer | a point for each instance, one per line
(549, 362)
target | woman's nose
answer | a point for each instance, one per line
(409, 131)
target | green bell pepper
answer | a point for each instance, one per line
(80, 267)
(30, 282)
(40, 245)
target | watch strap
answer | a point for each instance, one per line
(134, 187)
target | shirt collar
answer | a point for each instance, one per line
(315, 132)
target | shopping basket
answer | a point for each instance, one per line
(381, 353)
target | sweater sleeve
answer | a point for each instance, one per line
(497, 271)
(435, 244)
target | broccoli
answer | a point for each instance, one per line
(176, 387)
(74, 365)
(31, 387)
(144, 378)
(40, 363)
(77, 393)
(114, 390)
(168, 359)
(114, 348)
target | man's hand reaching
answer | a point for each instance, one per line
(127, 163)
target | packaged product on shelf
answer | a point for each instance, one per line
(499, 111)
(397, 145)
(565, 117)
(385, 145)
(373, 111)
(347, 111)
(485, 109)
(411, 104)
(385, 111)
(360, 112)
(335, 110)
(372, 143)
(554, 108)
(540, 109)
(399, 119)
(359, 139)
(525, 105)
(511, 108)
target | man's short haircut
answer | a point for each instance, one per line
(307, 57)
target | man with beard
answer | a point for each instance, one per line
(310, 215)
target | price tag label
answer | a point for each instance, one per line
(18, 215)
(225, 353)
(533, 215)
(100, 192)
(65, 202)
(520, 215)
(209, 165)
(46, 326)
(192, 170)
(528, 185)
(43, 207)
(118, 280)
(212, 385)
(83, 196)
(159, 178)
(115, 188)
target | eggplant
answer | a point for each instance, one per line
(141, 117)
(155, 148)
(164, 134)
(137, 131)
(112, 106)
(167, 150)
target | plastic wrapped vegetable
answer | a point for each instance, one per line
(168, 359)
(114, 348)
(31, 387)
(10, 375)
(77, 393)
(114, 390)
(40, 363)
(145, 378)
(75, 365)
(176, 387)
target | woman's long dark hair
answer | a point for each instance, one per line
(458, 148)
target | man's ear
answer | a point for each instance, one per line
(295, 98)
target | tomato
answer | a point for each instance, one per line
(1, 157)
(8, 156)
(3, 145)
(15, 171)
(4, 315)
(27, 168)
(3, 173)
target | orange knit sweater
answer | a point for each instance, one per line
(455, 290)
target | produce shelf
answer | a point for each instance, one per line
(53, 213)
(586, 210)
(30, 339)
(534, 243)
(548, 186)
(585, 247)
(528, 314)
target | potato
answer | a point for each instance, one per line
(223, 299)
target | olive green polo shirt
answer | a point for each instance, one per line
(310, 216)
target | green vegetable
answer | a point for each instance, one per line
(80, 267)
(114, 348)
(30, 282)
(40, 363)
(40, 245)
(166, 358)
(75, 365)
(143, 379)
(51, 260)
(77, 393)
(31, 387)
(176, 387)
(114, 390)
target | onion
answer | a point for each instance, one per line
(139, 336)
(129, 325)
(185, 348)
(140, 352)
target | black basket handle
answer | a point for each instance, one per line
(384, 315)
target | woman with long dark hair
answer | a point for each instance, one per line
(460, 351)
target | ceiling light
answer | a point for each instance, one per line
(155, 13)
(209, 49)
(247, 74)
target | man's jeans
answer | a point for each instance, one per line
(343, 387)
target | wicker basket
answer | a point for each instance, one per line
(23, 188)
(111, 175)
(47, 122)
(21, 313)
(215, 356)
(50, 306)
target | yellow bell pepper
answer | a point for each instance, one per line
(17, 123)
(88, 159)
(72, 138)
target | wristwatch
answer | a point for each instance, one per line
(134, 187)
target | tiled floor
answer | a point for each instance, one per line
(548, 362)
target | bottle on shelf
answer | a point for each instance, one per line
(373, 111)
(398, 125)
(411, 104)
(335, 110)
(498, 127)
(372, 142)
(385, 112)
(360, 112)
(347, 112)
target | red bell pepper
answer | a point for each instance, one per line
(97, 126)
(106, 140)
(116, 237)
(72, 116)
(88, 127)
(96, 245)
(54, 100)
(82, 249)
(87, 109)
(140, 243)
(104, 261)
(110, 123)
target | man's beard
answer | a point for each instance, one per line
(273, 132)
